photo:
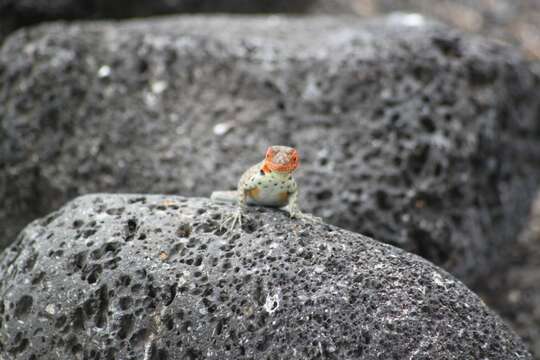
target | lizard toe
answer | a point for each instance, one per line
(229, 222)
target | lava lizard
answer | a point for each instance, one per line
(268, 183)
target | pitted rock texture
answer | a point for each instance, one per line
(515, 291)
(120, 276)
(418, 136)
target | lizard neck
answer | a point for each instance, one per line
(267, 171)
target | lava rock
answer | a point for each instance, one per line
(419, 136)
(136, 276)
(516, 22)
(515, 290)
(15, 14)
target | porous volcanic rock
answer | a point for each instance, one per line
(515, 290)
(512, 21)
(153, 277)
(419, 136)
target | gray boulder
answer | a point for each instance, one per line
(512, 21)
(515, 291)
(153, 277)
(414, 134)
(15, 14)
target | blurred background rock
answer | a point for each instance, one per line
(515, 291)
(517, 22)
(19, 13)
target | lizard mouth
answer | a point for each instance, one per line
(285, 168)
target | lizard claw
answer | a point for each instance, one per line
(230, 221)
(297, 214)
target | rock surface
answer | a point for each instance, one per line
(417, 135)
(515, 291)
(517, 22)
(121, 276)
(19, 13)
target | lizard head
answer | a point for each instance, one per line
(282, 159)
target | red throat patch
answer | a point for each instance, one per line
(265, 169)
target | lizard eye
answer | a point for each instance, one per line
(269, 153)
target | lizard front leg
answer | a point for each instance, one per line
(294, 209)
(229, 222)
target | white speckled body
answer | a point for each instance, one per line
(270, 189)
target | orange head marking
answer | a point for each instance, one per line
(282, 159)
